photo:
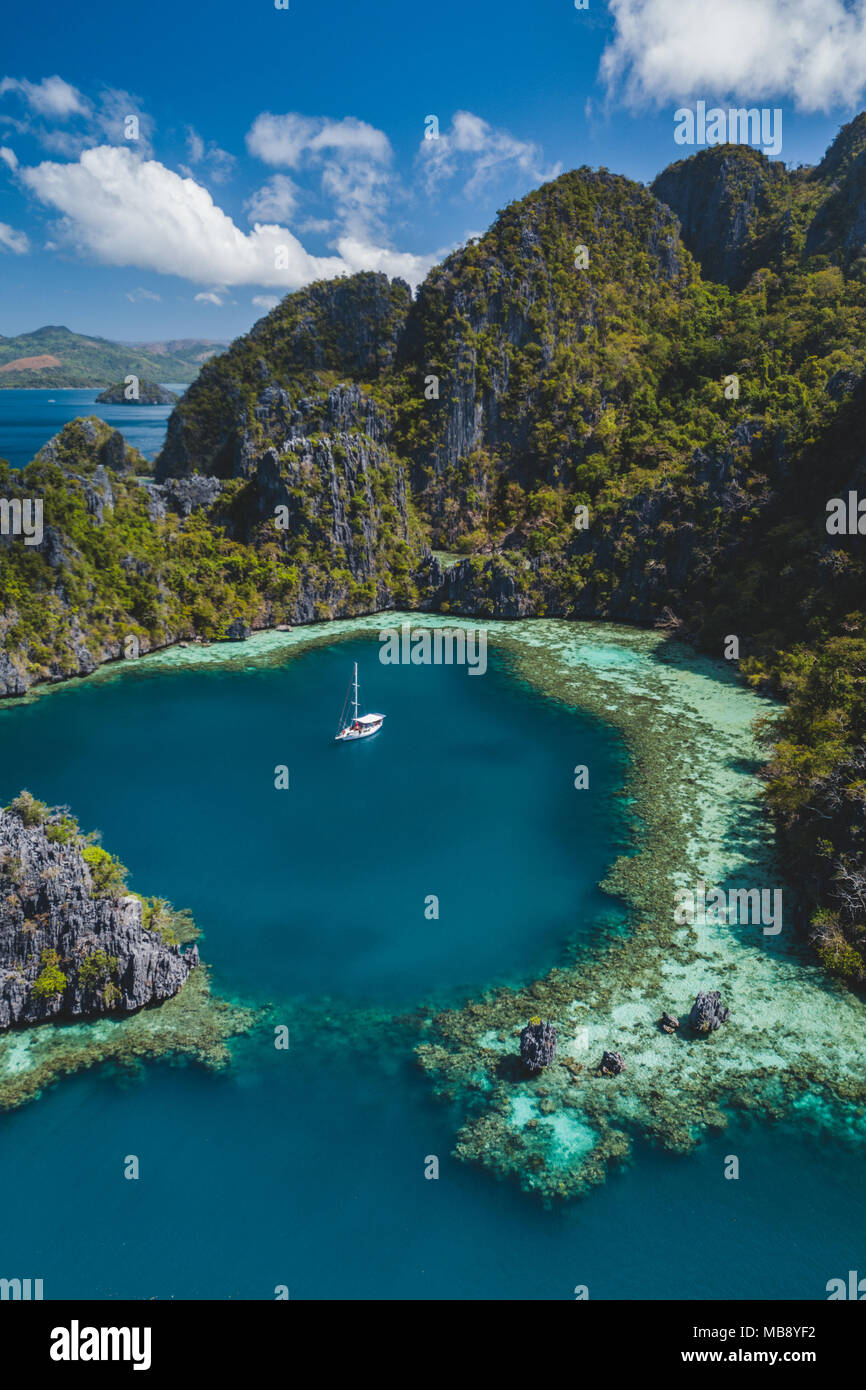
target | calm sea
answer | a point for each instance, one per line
(29, 418)
(305, 1168)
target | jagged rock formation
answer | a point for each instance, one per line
(611, 1064)
(553, 384)
(838, 228)
(240, 404)
(51, 919)
(708, 1013)
(537, 1046)
(669, 1023)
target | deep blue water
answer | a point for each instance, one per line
(305, 1168)
(28, 419)
(291, 1172)
(467, 795)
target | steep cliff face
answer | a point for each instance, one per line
(572, 359)
(733, 205)
(530, 335)
(234, 410)
(67, 951)
(838, 229)
(739, 212)
(654, 557)
(124, 557)
(339, 493)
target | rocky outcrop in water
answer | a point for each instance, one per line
(537, 1046)
(149, 393)
(708, 1013)
(67, 952)
(611, 1064)
(669, 1023)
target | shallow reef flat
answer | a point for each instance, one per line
(193, 1026)
(792, 1048)
(794, 1041)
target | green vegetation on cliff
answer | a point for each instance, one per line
(125, 559)
(685, 362)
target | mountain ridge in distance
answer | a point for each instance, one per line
(56, 358)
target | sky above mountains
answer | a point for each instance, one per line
(171, 170)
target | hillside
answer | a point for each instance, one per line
(681, 368)
(54, 357)
(122, 556)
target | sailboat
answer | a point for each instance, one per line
(358, 725)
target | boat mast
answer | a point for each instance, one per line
(356, 690)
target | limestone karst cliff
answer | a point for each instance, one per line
(73, 942)
(619, 402)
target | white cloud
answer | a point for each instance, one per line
(275, 201)
(352, 158)
(210, 297)
(364, 255)
(82, 122)
(673, 50)
(316, 225)
(265, 301)
(127, 211)
(135, 295)
(280, 140)
(51, 97)
(285, 141)
(9, 157)
(219, 164)
(10, 240)
(475, 148)
(194, 146)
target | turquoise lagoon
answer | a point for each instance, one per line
(306, 1168)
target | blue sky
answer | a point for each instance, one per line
(276, 146)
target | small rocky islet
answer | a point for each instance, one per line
(77, 946)
(138, 393)
(73, 943)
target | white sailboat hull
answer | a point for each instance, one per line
(359, 725)
(364, 727)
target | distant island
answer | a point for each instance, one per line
(148, 393)
(56, 358)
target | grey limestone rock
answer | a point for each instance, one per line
(48, 904)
